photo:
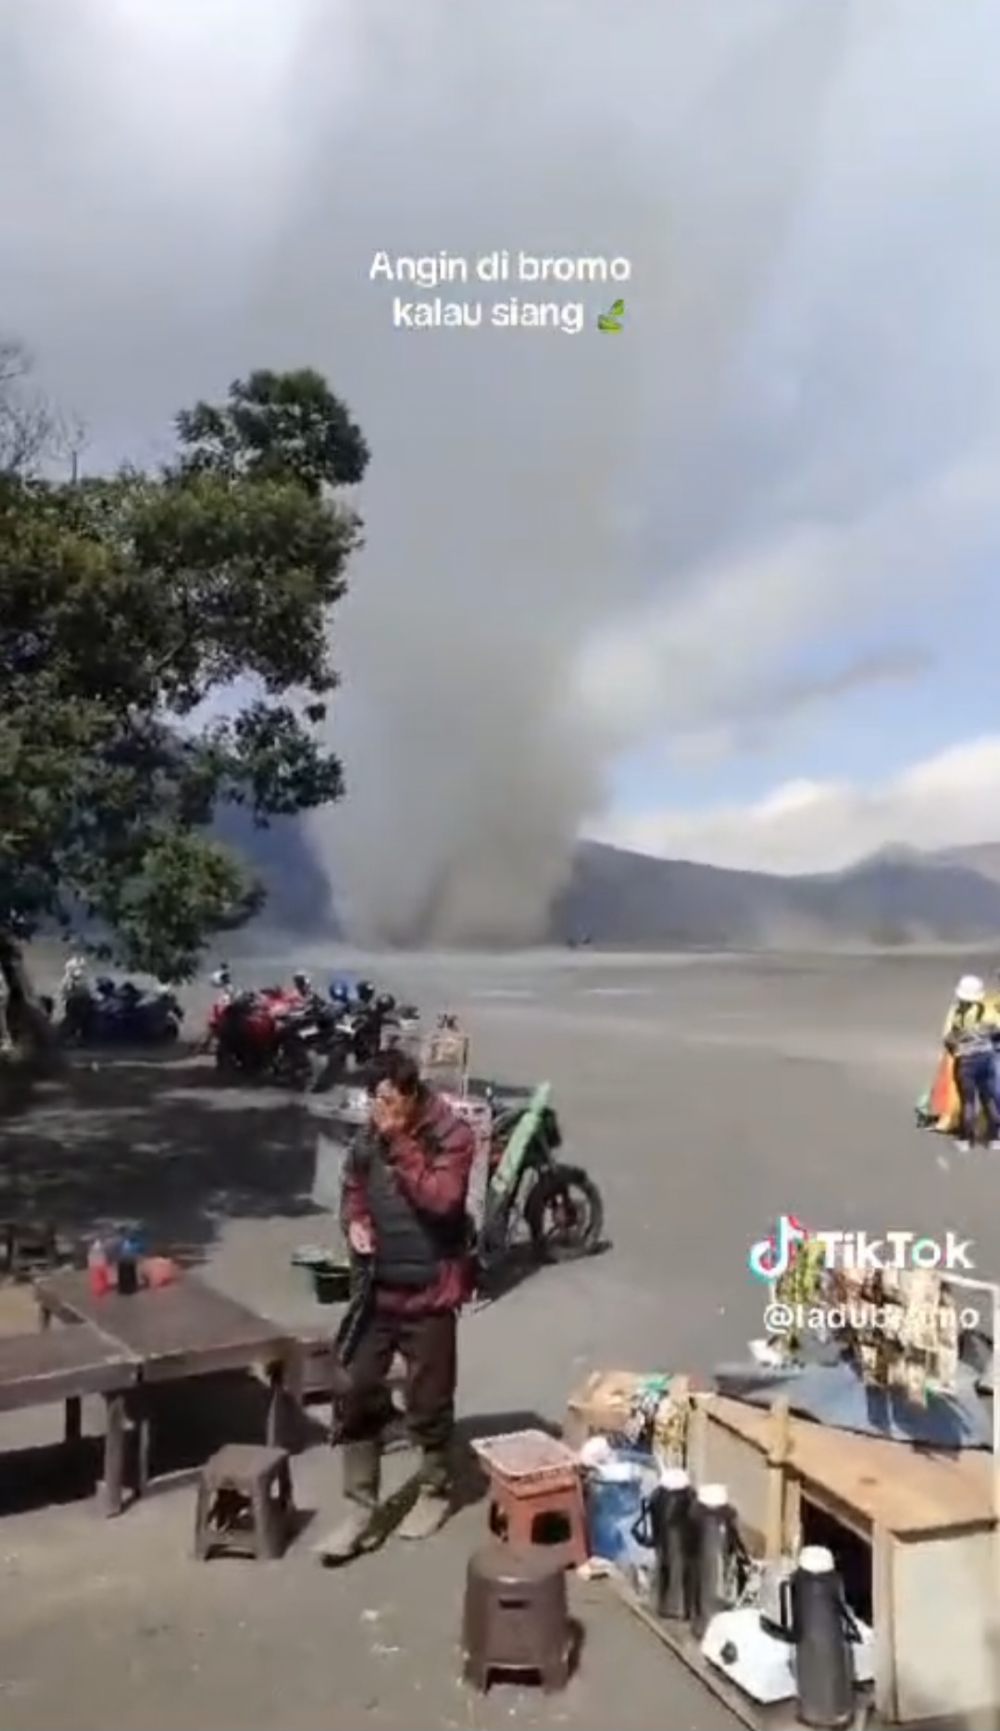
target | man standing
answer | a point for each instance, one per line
(404, 1207)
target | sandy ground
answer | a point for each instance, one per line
(705, 1095)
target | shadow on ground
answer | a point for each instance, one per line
(157, 1142)
(189, 1421)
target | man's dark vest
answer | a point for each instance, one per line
(410, 1246)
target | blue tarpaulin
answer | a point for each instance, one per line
(834, 1394)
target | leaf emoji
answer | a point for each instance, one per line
(604, 323)
(617, 309)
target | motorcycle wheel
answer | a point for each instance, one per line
(293, 1067)
(329, 1070)
(565, 1214)
(492, 1253)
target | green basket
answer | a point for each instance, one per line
(330, 1275)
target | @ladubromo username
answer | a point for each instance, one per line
(782, 1318)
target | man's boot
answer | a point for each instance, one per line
(357, 1531)
(434, 1499)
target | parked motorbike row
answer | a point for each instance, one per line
(113, 1013)
(299, 1037)
(295, 1036)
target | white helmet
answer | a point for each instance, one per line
(222, 976)
(970, 989)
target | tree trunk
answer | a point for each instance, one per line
(29, 1027)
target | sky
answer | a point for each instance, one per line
(722, 587)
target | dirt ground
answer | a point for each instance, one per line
(706, 1096)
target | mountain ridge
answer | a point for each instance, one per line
(615, 897)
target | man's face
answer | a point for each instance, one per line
(393, 1110)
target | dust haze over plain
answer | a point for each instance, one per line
(573, 543)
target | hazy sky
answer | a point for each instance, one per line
(723, 585)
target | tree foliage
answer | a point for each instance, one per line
(164, 649)
(28, 425)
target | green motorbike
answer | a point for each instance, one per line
(533, 1200)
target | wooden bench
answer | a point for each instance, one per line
(66, 1365)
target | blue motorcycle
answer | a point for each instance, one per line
(116, 1014)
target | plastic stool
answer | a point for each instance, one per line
(245, 1502)
(546, 1514)
(516, 1617)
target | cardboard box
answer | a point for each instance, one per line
(603, 1404)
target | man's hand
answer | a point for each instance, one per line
(360, 1238)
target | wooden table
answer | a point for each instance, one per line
(67, 1364)
(186, 1329)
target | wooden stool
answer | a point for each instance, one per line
(245, 1502)
(516, 1617)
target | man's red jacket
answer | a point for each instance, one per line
(435, 1183)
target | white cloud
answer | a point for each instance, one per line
(949, 800)
(714, 650)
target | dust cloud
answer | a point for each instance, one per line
(513, 473)
(201, 189)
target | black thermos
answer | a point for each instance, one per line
(670, 1524)
(824, 1664)
(713, 1535)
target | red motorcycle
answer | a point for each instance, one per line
(257, 1033)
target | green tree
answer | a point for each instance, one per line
(164, 650)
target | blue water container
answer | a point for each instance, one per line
(615, 1493)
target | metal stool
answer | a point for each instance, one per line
(245, 1502)
(516, 1617)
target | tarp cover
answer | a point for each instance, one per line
(835, 1395)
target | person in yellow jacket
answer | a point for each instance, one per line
(971, 1036)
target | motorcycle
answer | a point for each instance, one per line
(288, 1035)
(255, 1036)
(363, 1030)
(119, 1014)
(528, 1187)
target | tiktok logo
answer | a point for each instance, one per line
(771, 1257)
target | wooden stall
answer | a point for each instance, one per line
(915, 1532)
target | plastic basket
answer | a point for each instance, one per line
(526, 1457)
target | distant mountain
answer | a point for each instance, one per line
(984, 859)
(614, 897)
(897, 897)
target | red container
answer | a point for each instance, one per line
(99, 1275)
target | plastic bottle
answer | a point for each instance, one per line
(98, 1272)
(824, 1664)
(128, 1267)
